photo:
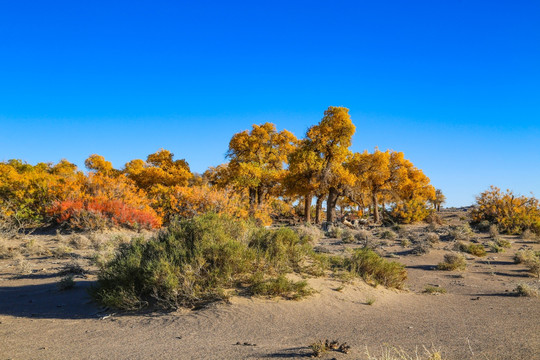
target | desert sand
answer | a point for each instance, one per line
(479, 316)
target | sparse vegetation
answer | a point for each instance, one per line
(434, 290)
(193, 261)
(432, 238)
(66, 283)
(388, 235)
(453, 261)
(526, 290)
(373, 268)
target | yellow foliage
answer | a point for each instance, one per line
(512, 214)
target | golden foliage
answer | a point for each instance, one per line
(512, 214)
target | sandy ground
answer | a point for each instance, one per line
(478, 318)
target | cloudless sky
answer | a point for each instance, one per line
(453, 84)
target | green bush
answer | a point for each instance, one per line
(279, 286)
(193, 261)
(453, 261)
(371, 267)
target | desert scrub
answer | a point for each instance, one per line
(525, 290)
(434, 290)
(388, 235)
(493, 230)
(363, 237)
(348, 237)
(310, 233)
(523, 256)
(453, 261)
(473, 249)
(462, 232)
(279, 286)
(432, 238)
(66, 283)
(193, 261)
(373, 268)
(335, 232)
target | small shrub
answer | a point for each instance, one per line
(527, 234)
(534, 266)
(79, 242)
(476, 250)
(421, 249)
(66, 283)
(432, 238)
(473, 249)
(463, 232)
(493, 231)
(62, 252)
(435, 290)
(453, 261)
(335, 232)
(72, 268)
(370, 301)
(523, 256)
(310, 232)
(405, 242)
(363, 237)
(348, 237)
(280, 286)
(495, 247)
(6, 251)
(388, 235)
(525, 290)
(318, 348)
(503, 242)
(371, 267)
(483, 226)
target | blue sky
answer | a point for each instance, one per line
(455, 85)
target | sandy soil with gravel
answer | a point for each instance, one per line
(479, 316)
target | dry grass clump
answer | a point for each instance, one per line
(525, 290)
(393, 353)
(7, 251)
(23, 266)
(335, 232)
(348, 237)
(527, 234)
(62, 252)
(462, 232)
(33, 247)
(473, 249)
(434, 290)
(66, 283)
(73, 268)
(373, 268)
(432, 238)
(363, 237)
(421, 249)
(529, 258)
(388, 235)
(79, 242)
(452, 262)
(279, 286)
(310, 232)
(493, 230)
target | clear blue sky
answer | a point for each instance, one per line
(455, 85)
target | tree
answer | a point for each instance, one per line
(438, 200)
(257, 158)
(159, 169)
(303, 174)
(331, 139)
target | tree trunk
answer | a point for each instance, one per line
(252, 198)
(318, 209)
(333, 196)
(375, 202)
(307, 208)
(260, 195)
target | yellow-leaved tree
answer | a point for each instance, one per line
(257, 160)
(330, 140)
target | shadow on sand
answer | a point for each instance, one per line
(46, 301)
